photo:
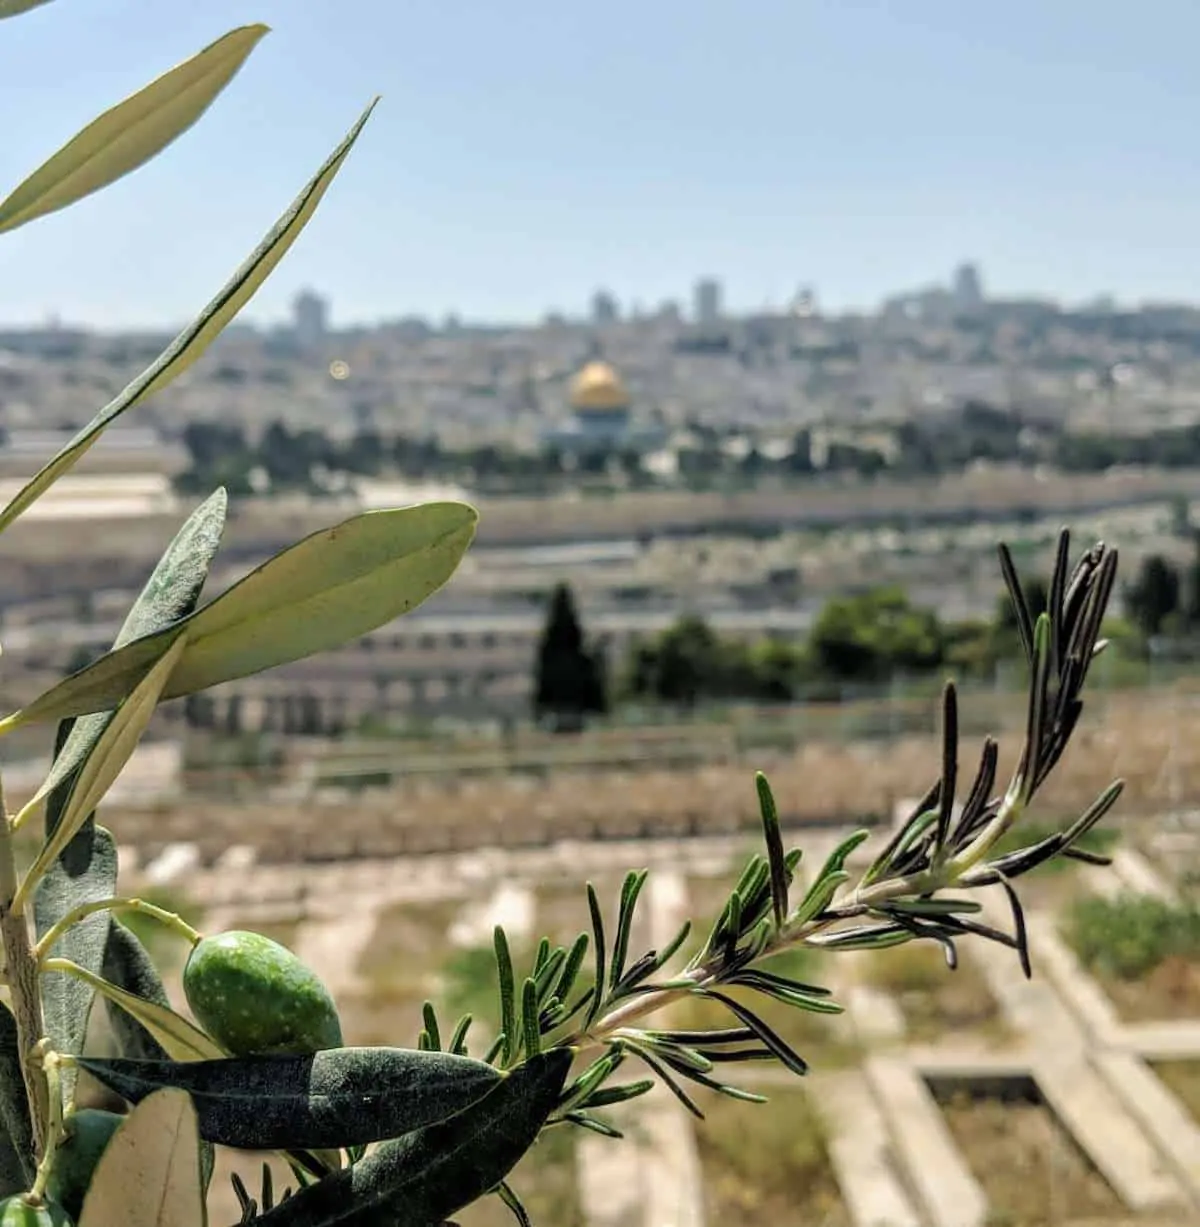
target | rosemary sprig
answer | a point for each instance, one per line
(918, 886)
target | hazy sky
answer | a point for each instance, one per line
(527, 151)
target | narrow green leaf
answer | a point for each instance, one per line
(17, 1164)
(832, 876)
(630, 890)
(571, 967)
(592, 1123)
(149, 1173)
(509, 1197)
(820, 896)
(590, 1079)
(781, 1048)
(529, 1018)
(326, 590)
(609, 1095)
(14, 8)
(181, 1040)
(508, 996)
(862, 937)
(597, 916)
(131, 133)
(934, 907)
(336, 1098)
(127, 966)
(458, 1041)
(431, 1026)
(113, 749)
(774, 841)
(169, 595)
(85, 873)
(425, 1176)
(780, 990)
(191, 343)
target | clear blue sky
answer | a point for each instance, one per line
(527, 151)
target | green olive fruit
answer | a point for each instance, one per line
(17, 1212)
(87, 1133)
(254, 996)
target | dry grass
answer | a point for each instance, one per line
(1031, 1170)
(768, 1163)
(934, 1000)
(1122, 733)
(1170, 991)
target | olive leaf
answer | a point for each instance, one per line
(113, 749)
(180, 1039)
(17, 1165)
(130, 968)
(131, 133)
(85, 873)
(169, 595)
(335, 1098)
(13, 8)
(429, 1174)
(325, 590)
(191, 343)
(149, 1173)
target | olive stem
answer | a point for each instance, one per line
(172, 921)
(51, 1064)
(22, 971)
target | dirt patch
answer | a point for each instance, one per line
(934, 999)
(1171, 990)
(768, 1163)
(1032, 1171)
(1182, 1078)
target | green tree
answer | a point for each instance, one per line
(1154, 596)
(569, 683)
(1190, 595)
(870, 636)
(687, 663)
(1037, 598)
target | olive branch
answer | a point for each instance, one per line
(399, 1134)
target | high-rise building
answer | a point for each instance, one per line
(707, 301)
(968, 288)
(310, 319)
(805, 302)
(604, 308)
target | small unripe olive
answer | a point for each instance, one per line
(254, 996)
(87, 1133)
(17, 1212)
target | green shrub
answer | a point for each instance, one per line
(1130, 935)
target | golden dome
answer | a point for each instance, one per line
(598, 387)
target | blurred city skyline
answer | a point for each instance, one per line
(526, 156)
